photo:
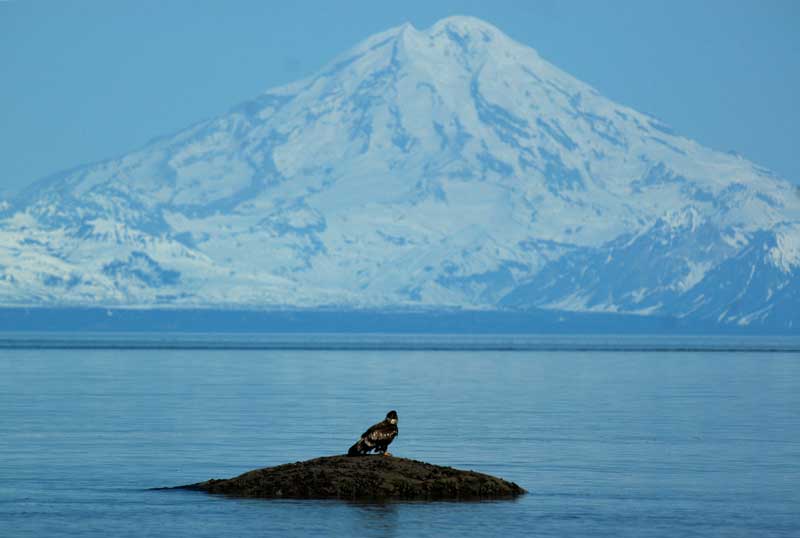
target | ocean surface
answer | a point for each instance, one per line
(612, 436)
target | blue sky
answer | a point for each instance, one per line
(87, 80)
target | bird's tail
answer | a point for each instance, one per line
(357, 449)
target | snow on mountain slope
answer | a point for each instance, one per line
(448, 167)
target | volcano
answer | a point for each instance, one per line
(443, 168)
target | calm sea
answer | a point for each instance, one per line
(612, 436)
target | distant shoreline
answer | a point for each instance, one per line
(329, 321)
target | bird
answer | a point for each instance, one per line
(377, 437)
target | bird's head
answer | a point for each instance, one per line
(391, 416)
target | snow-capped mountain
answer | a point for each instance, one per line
(447, 167)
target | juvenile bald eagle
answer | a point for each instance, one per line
(377, 437)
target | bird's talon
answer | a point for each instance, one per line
(386, 454)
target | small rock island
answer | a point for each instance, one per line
(362, 478)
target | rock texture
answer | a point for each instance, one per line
(364, 478)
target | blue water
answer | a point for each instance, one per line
(618, 436)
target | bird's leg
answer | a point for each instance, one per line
(386, 454)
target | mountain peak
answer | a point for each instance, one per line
(471, 35)
(465, 24)
(464, 36)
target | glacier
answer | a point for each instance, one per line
(445, 168)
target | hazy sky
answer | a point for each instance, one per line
(85, 80)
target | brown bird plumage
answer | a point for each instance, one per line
(377, 437)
